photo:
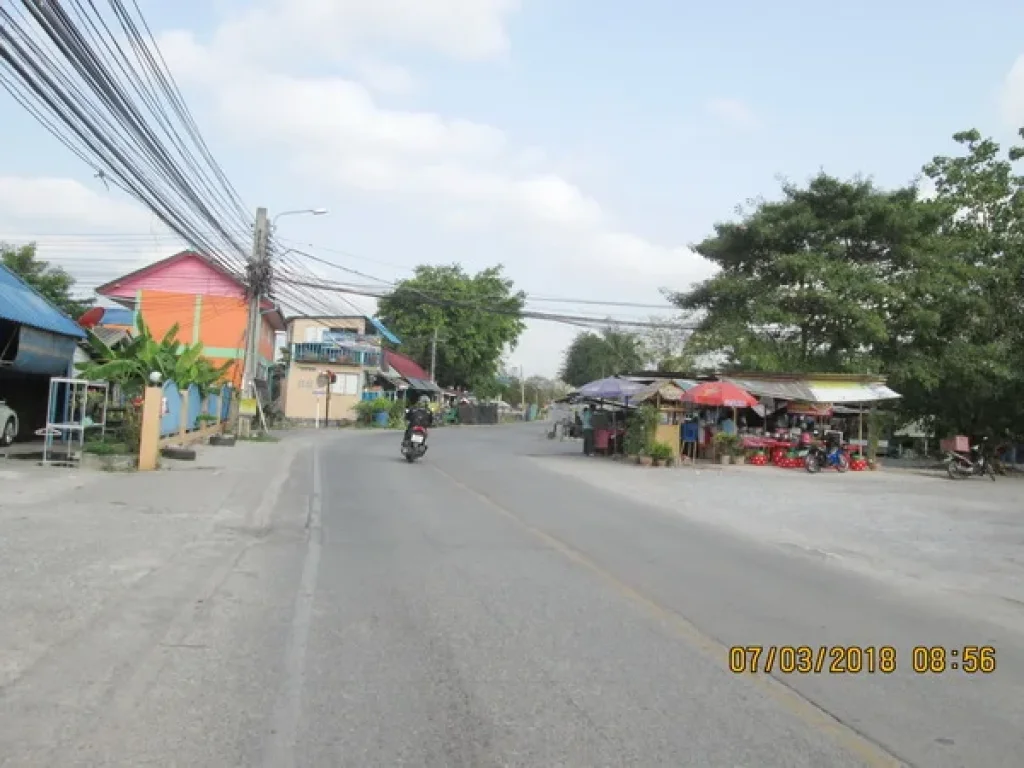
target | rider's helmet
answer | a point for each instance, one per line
(423, 402)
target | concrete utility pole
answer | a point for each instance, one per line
(522, 391)
(433, 356)
(258, 283)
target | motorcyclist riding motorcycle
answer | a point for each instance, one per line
(419, 415)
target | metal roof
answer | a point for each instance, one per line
(19, 303)
(422, 385)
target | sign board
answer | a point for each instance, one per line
(247, 406)
(319, 392)
(164, 408)
(691, 432)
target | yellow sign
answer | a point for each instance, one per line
(247, 406)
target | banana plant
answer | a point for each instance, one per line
(131, 363)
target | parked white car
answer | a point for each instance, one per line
(8, 424)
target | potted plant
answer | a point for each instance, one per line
(660, 453)
(726, 447)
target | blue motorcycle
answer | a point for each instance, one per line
(819, 457)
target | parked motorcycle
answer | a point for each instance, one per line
(833, 456)
(960, 466)
(416, 445)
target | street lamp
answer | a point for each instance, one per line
(310, 211)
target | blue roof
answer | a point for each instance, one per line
(384, 331)
(118, 316)
(20, 303)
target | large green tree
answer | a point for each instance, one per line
(52, 282)
(958, 351)
(593, 356)
(810, 282)
(843, 276)
(476, 318)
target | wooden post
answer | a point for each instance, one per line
(149, 433)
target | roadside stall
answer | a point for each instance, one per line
(667, 398)
(612, 395)
(720, 394)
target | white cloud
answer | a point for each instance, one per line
(34, 201)
(1012, 96)
(385, 78)
(333, 127)
(94, 234)
(334, 29)
(469, 176)
(733, 112)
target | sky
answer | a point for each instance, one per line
(583, 145)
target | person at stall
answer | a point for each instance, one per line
(806, 435)
(727, 425)
(587, 418)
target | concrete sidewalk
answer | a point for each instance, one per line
(74, 544)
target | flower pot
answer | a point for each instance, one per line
(645, 461)
(725, 459)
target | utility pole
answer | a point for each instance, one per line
(258, 284)
(330, 385)
(433, 356)
(522, 391)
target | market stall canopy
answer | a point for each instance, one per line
(666, 390)
(719, 394)
(819, 388)
(611, 388)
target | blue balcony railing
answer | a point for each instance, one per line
(338, 354)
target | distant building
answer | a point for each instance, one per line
(208, 303)
(349, 347)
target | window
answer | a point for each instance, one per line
(346, 384)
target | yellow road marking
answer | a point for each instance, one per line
(810, 713)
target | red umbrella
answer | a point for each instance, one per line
(719, 394)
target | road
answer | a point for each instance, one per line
(477, 609)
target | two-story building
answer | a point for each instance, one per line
(347, 349)
(206, 301)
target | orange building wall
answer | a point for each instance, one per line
(221, 328)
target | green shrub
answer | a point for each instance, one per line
(660, 451)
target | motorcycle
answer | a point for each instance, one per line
(831, 456)
(974, 464)
(416, 445)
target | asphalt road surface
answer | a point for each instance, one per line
(475, 609)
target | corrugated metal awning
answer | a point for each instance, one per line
(811, 390)
(787, 389)
(20, 304)
(422, 385)
(850, 391)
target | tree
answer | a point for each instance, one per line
(665, 348)
(960, 363)
(475, 317)
(810, 282)
(591, 356)
(52, 282)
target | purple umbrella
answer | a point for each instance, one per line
(611, 388)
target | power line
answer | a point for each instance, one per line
(121, 112)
